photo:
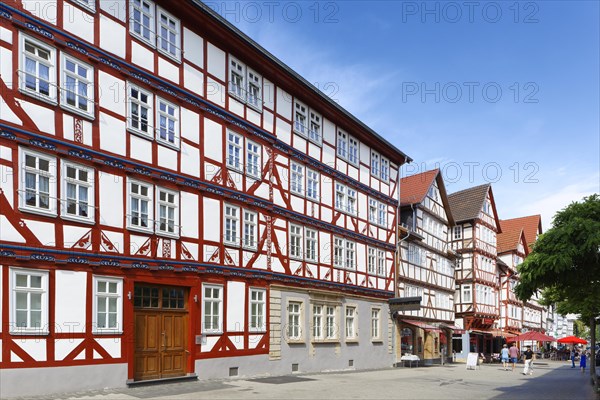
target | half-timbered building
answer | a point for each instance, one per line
(477, 277)
(176, 202)
(426, 268)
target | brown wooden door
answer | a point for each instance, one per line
(160, 316)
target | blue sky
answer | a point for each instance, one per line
(499, 92)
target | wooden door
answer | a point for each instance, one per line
(161, 318)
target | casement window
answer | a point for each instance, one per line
(141, 18)
(344, 253)
(37, 70)
(315, 129)
(317, 321)
(77, 192)
(89, 4)
(258, 310)
(350, 323)
(253, 167)
(234, 151)
(413, 291)
(250, 229)
(29, 301)
(294, 328)
(308, 123)
(140, 118)
(373, 208)
(297, 178)
(312, 184)
(296, 241)
(467, 294)
(300, 118)
(345, 199)
(37, 192)
(415, 255)
(385, 169)
(311, 247)
(77, 86)
(457, 232)
(442, 300)
(107, 305)
(167, 211)
(350, 259)
(168, 34)
(382, 214)
(167, 116)
(212, 309)
(140, 210)
(381, 269)
(342, 145)
(372, 261)
(330, 322)
(351, 201)
(245, 84)
(232, 224)
(375, 164)
(352, 150)
(375, 324)
(338, 252)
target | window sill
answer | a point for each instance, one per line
(211, 333)
(169, 55)
(168, 144)
(352, 341)
(25, 332)
(140, 230)
(296, 341)
(76, 219)
(325, 341)
(140, 38)
(38, 211)
(231, 244)
(82, 114)
(316, 142)
(107, 332)
(255, 108)
(139, 133)
(167, 235)
(237, 97)
(38, 96)
(249, 248)
(378, 341)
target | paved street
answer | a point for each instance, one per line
(552, 380)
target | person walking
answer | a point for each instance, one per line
(514, 355)
(504, 354)
(582, 361)
(572, 357)
(529, 357)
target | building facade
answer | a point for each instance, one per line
(176, 202)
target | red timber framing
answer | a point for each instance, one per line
(187, 261)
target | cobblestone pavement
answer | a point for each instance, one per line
(550, 381)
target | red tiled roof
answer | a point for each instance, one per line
(414, 188)
(509, 239)
(531, 225)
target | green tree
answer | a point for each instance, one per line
(565, 264)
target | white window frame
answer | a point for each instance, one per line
(294, 330)
(353, 151)
(151, 39)
(351, 201)
(382, 212)
(160, 12)
(175, 118)
(51, 97)
(89, 185)
(235, 151)
(149, 198)
(212, 300)
(313, 180)
(381, 261)
(372, 260)
(165, 203)
(96, 329)
(373, 210)
(297, 178)
(375, 164)
(43, 329)
(254, 81)
(257, 311)
(457, 232)
(237, 69)
(467, 289)
(250, 232)
(253, 159)
(50, 175)
(375, 324)
(301, 127)
(233, 232)
(311, 244)
(384, 169)
(339, 251)
(315, 127)
(317, 322)
(88, 82)
(342, 144)
(331, 331)
(296, 242)
(350, 255)
(140, 104)
(89, 4)
(350, 317)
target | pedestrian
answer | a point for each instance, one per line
(514, 355)
(582, 361)
(529, 357)
(572, 357)
(504, 356)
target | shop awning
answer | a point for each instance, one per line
(477, 332)
(456, 329)
(421, 324)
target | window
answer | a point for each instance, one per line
(245, 84)
(29, 309)
(350, 323)
(253, 167)
(352, 150)
(167, 212)
(330, 325)
(294, 320)
(108, 305)
(212, 309)
(338, 252)
(347, 147)
(237, 75)
(140, 111)
(297, 179)
(167, 115)
(345, 199)
(140, 205)
(258, 310)
(250, 229)
(89, 4)
(77, 192)
(300, 119)
(381, 269)
(385, 169)
(372, 261)
(312, 184)
(318, 321)
(77, 86)
(142, 20)
(168, 35)
(457, 232)
(415, 255)
(37, 73)
(232, 224)
(254, 89)
(38, 182)
(314, 132)
(296, 241)
(375, 171)
(467, 296)
(234, 151)
(375, 331)
(373, 208)
(350, 260)
(382, 215)
(344, 254)
(312, 252)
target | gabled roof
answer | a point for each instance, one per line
(512, 234)
(468, 203)
(531, 225)
(414, 188)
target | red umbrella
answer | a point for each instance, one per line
(533, 335)
(572, 340)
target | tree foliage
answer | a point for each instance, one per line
(565, 261)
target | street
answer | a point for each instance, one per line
(551, 380)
